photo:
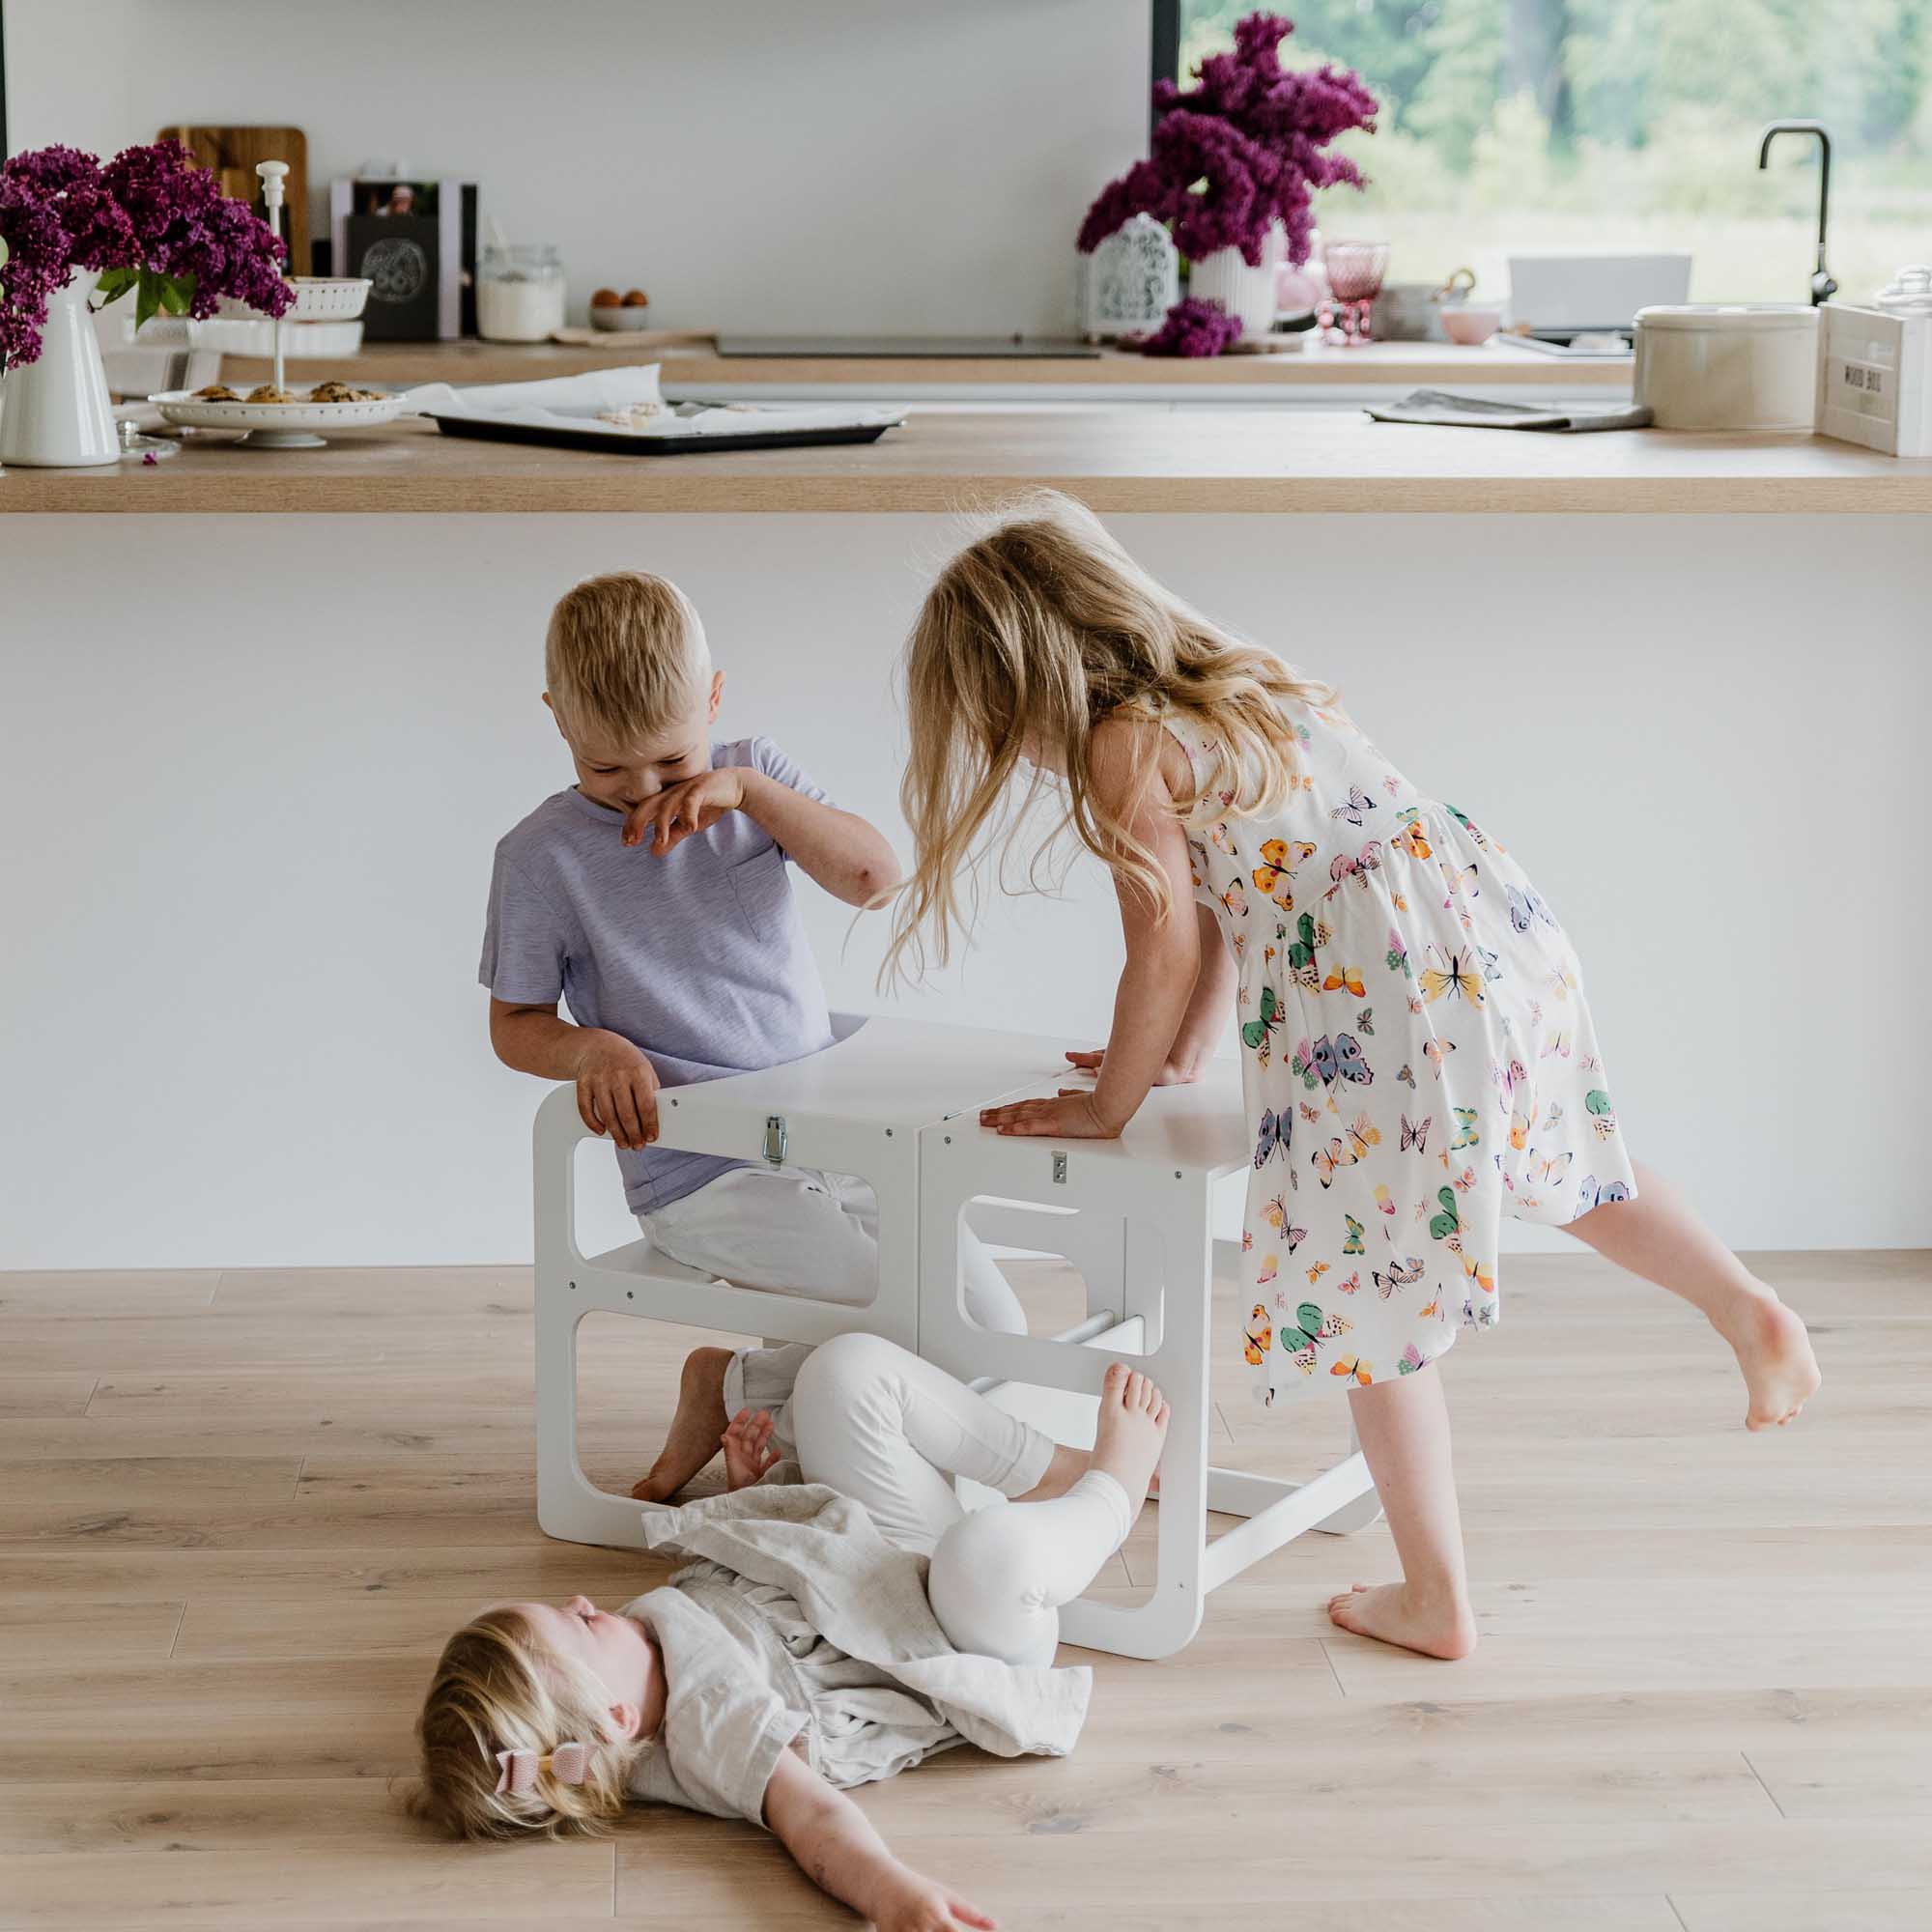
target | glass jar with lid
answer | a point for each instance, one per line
(520, 293)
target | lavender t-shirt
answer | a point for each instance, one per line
(697, 956)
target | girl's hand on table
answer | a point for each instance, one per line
(1173, 1072)
(616, 1089)
(921, 1905)
(1069, 1117)
(680, 810)
(749, 1455)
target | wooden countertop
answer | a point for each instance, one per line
(1129, 458)
(691, 365)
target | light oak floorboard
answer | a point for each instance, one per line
(238, 1513)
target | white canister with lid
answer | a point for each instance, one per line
(1728, 365)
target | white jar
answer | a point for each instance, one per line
(1734, 365)
(519, 294)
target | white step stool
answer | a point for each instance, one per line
(1143, 1206)
(855, 1108)
(893, 1101)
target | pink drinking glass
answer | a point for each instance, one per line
(1355, 271)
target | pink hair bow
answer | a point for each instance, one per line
(517, 1770)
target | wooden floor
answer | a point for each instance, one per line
(238, 1513)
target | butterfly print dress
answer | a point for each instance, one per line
(1416, 1056)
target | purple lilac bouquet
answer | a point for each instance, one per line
(150, 221)
(1254, 137)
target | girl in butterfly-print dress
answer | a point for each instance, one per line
(1417, 1055)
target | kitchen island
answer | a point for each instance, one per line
(266, 716)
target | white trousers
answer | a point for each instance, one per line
(795, 1231)
(877, 1424)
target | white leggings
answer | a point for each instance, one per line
(879, 1425)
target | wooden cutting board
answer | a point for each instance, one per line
(231, 154)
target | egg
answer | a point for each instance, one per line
(605, 299)
(637, 298)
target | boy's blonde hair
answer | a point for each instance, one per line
(625, 653)
(1032, 635)
(499, 1687)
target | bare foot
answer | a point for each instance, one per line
(694, 1430)
(1132, 1432)
(1774, 1352)
(1388, 1612)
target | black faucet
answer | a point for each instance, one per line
(1823, 286)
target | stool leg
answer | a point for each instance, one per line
(1172, 1614)
(569, 1506)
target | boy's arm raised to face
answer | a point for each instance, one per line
(839, 850)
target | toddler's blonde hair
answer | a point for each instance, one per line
(499, 1687)
(625, 653)
(1032, 637)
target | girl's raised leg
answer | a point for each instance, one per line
(1403, 1429)
(1659, 1235)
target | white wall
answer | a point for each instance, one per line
(811, 165)
(251, 771)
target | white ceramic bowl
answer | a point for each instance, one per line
(620, 321)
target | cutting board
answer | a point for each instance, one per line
(231, 154)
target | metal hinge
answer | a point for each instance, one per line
(774, 1139)
(1059, 1167)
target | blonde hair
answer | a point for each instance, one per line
(1034, 636)
(625, 653)
(499, 1687)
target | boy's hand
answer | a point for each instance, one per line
(749, 1455)
(680, 810)
(1072, 1116)
(1173, 1072)
(916, 1904)
(616, 1089)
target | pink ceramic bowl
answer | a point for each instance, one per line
(1468, 326)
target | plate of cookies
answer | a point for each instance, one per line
(284, 418)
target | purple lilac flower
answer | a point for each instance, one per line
(1193, 327)
(1255, 136)
(151, 208)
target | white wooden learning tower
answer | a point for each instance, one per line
(896, 1103)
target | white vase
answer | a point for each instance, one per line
(1247, 293)
(55, 412)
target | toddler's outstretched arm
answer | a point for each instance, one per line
(1158, 982)
(837, 1848)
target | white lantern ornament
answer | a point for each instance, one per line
(1129, 282)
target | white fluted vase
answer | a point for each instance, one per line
(55, 411)
(1247, 293)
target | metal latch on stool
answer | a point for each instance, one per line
(774, 1139)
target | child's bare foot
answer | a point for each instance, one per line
(748, 1447)
(1392, 1614)
(1774, 1352)
(694, 1429)
(1132, 1432)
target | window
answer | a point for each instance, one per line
(1515, 125)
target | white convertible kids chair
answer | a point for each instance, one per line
(895, 1101)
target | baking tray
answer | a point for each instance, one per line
(607, 443)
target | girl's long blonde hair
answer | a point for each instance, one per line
(1028, 638)
(499, 1687)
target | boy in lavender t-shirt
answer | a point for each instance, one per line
(654, 899)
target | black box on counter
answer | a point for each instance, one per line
(416, 240)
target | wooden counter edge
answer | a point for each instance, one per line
(687, 492)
